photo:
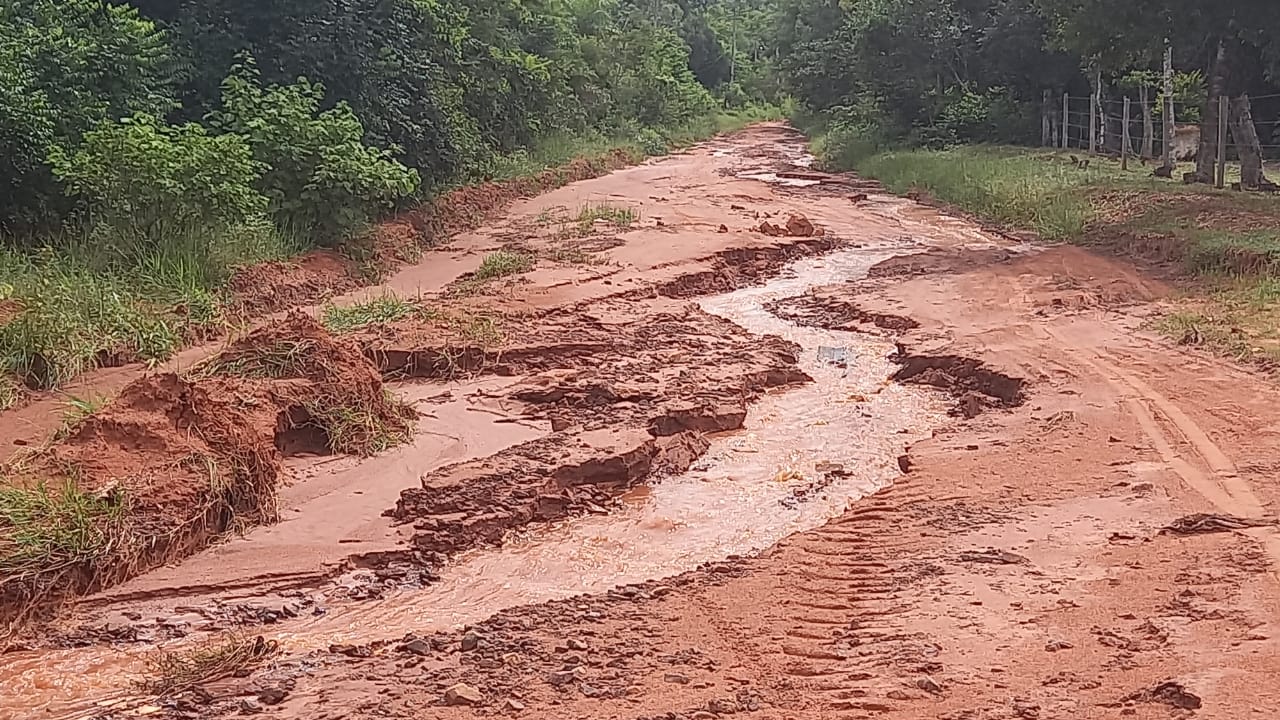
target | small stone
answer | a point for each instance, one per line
(470, 641)
(929, 685)
(1257, 636)
(576, 644)
(462, 694)
(562, 677)
(512, 705)
(1056, 645)
(273, 696)
(703, 715)
(250, 707)
(676, 678)
(417, 647)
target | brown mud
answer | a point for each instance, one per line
(665, 475)
(182, 459)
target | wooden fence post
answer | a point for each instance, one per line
(1125, 142)
(1168, 107)
(1223, 111)
(1093, 124)
(1045, 129)
(1066, 120)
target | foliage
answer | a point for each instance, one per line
(147, 180)
(65, 66)
(318, 174)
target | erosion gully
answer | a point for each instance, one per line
(752, 488)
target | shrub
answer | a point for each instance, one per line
(148, 180)
(319, 176)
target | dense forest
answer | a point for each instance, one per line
(149, 147)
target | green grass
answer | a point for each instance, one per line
(615, 215)
(502, 264)
(355, 429)
(1014, 189)
(380, 310)
(88, 300)
(53, 525)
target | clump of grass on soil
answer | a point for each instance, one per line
(175, 671)
(503, 263)
(282, 358)
(348, 318)
(357, 429)
(11, 392)
(613, 214)
(53, 525)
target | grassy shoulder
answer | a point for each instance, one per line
(1226, 242)
(67, 307)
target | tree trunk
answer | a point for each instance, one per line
(1207, 155)
(1245, 134)
(1148, 124)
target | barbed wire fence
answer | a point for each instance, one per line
(1132, 131)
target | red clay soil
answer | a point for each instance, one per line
(282, 284)
(1091, 537)
(279, 285)
(182, 458)
(630, 397)
(1100, 551)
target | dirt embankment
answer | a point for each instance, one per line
(174, 461)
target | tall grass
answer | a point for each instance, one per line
(87, 299)
(1010, 188)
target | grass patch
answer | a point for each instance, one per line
(615, 215)
(1012, 189)
(355, 429)
(285, 358)
(54, 525)
(503, 263)
(11, 393)
(380, 310)
(175, 671)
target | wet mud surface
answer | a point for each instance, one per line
(879, 463)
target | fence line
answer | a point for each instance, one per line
(1118, 127)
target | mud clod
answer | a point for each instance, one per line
(975, 386)
(833, 310)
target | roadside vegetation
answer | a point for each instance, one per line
(151, 149)
(947, 100)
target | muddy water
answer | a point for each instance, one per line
(741, 497)
(751, 489)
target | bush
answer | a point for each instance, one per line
(319, 176)
(147, 180)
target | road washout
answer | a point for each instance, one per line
(724, 409)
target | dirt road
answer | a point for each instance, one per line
(871, 462)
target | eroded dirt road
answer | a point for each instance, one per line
(894, 466)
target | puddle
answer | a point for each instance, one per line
(750, 490)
